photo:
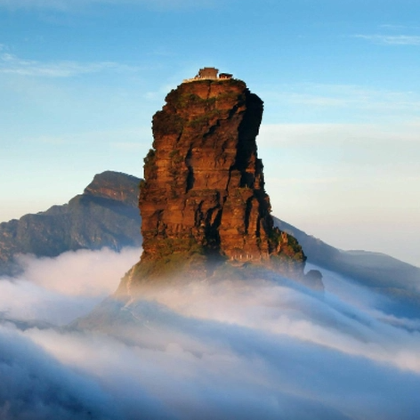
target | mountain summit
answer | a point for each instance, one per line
(105, 215)
(203, 197)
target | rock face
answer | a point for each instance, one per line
(120, 188)
(204, 186)
(105, 214)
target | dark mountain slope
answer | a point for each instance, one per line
(387, 275)
(372, 268)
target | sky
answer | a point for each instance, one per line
(81, 79)
(269, 349)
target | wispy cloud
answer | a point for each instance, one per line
(329, 134)
(134, 139)
(127, 146)
(360, 100)
(391, 26)
(11, 64)
(31, 4)
(58, 290)
(391, 39)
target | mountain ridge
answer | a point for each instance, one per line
(385, 274)
(104, 215)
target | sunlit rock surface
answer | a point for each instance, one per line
(203, 199)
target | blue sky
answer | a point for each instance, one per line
(80, 81)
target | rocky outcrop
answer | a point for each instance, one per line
(116, 186)
(105, 215)
(203, 192)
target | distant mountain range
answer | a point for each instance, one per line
(107, 215)
(387, 275)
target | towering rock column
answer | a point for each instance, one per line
(204, 184)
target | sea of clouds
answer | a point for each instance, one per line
(226, 350)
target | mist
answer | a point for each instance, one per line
(223, 350)
(58, 290)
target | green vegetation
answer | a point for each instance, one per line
(180, 99)
(202, 120)
(230, 96)
(150, 157)
(170, 246)
(242, 194)
(150, 164)
(167, 123)
(177, 264)
(290, 249)
(176, 157)
(171, 256)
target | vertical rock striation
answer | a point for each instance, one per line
(203, 192)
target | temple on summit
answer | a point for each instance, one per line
(209, 73)
(203, 200)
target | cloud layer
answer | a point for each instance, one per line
(58, 290)
(392, 39)
(226, 350)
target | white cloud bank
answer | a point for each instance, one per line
(58, 290)
(230, 350)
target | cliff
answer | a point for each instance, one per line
(203, 197)
(105, 215)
